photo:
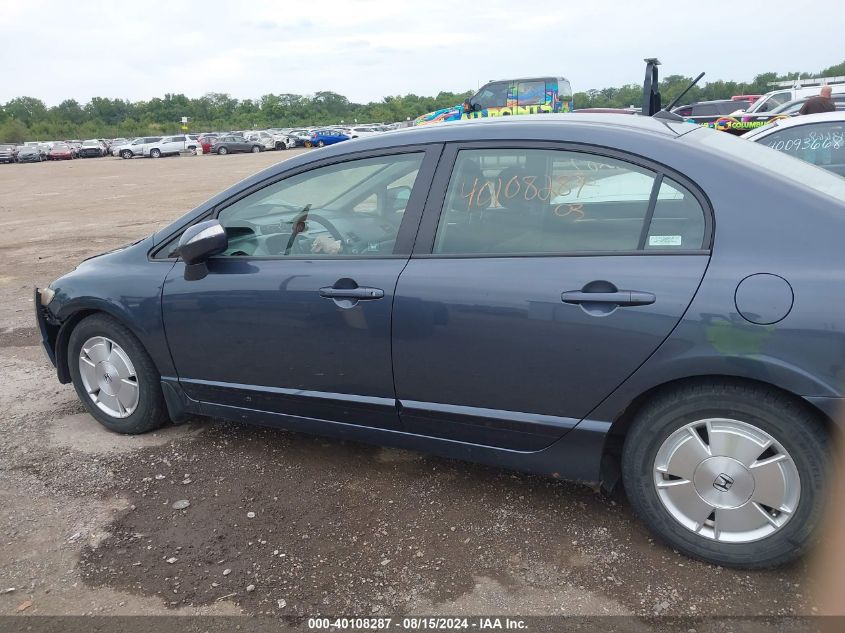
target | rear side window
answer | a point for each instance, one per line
(534, 201)
(531, 93)
(821, 144)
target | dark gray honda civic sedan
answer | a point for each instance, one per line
(584, 296)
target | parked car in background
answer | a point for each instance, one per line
(30, 154)
(232, 144)
(326, 136)
(172, 145)
(818, 139)
(117, 142)
(206, 141)
(61, 151)
(91, 148)
(7, 153)
(748, 98)
(299, 137)
(776, 98)
(282, 141)
(790, 108)
(361, 131)
(265, 139)
(708, 111)
(577, 336)
(136, 147)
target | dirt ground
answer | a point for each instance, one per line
(278, 522)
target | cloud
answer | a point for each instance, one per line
(366, 49)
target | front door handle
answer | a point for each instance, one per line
(358, 294)
(619, 298)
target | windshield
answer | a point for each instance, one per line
(782, 166)
(60, 147)
(770, 102)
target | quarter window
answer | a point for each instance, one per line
(349, 209)
(533, 201)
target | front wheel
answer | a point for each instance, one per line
(320, 144)
(727, 473)
(126, 154)
(256, 149)
(155, 153)
(114, 376)
(222, 151)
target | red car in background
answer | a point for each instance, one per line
(207, 142)
(60, 151)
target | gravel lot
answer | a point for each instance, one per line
(279, 522)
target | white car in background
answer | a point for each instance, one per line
(360, 131)
(265, 139)
(171, 145)
(818, 139)
(136, 147)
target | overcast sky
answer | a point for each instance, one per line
(366, 49)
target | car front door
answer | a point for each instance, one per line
(295, 317)
(541, 279)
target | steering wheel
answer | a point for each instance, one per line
(299, 226)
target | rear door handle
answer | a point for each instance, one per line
(619, 298)
(359, 294)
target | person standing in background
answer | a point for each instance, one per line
(821, 103)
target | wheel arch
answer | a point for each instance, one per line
(621, 424)
(73, 317)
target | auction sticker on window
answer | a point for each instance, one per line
(664, 240)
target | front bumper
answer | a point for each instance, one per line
(48, 331)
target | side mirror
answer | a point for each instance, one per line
(198, 243)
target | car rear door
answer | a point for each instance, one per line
(290, 320)
(542, 277)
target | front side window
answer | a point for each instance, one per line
(349, 209)
(534, 201)
(494, 95)
(821, 144)
(777, 99)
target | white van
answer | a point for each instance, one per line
(798, 89)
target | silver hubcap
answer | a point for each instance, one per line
(726, 480)
(108, 376)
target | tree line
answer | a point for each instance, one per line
(28, 118)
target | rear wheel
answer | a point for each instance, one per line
(728, 473)
(114, 376)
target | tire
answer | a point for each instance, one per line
(256, 149)
(280, 146)
(155, 153)
(149, 411)
(308, 144)
(126, 154)
(320, 144)
(667, 435)
(222, 151)
(193, 150)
